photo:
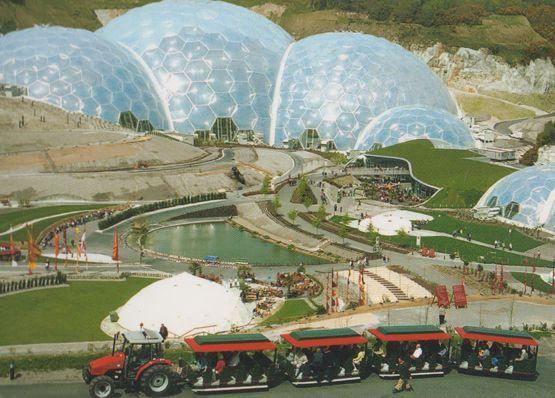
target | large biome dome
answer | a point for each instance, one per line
(407, 123)
(526, 196)
(80, 71)
(213, 59)
(336, 83)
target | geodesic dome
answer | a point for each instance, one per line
(336, 83)
(407, 123)
(80, 71)
(526, 196)
(213, 59)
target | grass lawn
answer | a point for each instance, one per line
(290, 310)
(482, 232)
(475, 104)
(472, 252)
(533, 280)
(341, 219)
(14, 217)
(63, 314)
(463, 180)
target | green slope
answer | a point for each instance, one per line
(464, 179)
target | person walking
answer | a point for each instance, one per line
(441, 313)
(404, 377)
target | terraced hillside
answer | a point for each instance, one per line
(516, 30)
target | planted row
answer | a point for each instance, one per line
(163, 204)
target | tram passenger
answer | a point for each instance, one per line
(358, 358)
(220, 366)
(416, 356)
(317, 364)
(299, 361)
(523, 355)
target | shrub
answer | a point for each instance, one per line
(164, 204)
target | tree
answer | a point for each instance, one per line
(401, 233)
(307, 202)
(343, 231)
(547, 136)
(266, 184)
(195, 268)
(321, 213)
(292, 215)
(276, 204)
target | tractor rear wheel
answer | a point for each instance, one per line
(101, 387)
(157, 381)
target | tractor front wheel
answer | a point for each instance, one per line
(157, 381)
(101, 387)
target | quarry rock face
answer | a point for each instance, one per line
(469, 69)
(546, 154)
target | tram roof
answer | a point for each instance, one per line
(230, 342)
(409, 333)
(497, 335)
(323, 337)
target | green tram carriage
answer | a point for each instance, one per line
(231, 363)
(325, 356)
(497, 352)
(401, 341)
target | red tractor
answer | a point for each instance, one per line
(135, 365)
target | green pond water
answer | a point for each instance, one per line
(224, 241)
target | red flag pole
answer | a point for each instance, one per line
(115, 249)
(525, 279)
(56, 250)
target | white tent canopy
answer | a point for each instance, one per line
(389, 223)
(187, 305)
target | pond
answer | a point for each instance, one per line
(222, 240)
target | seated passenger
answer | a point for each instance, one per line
(220, 366)
(377, 349)
(317, 363)
(358, 358)
(466, 349)
(299, 361)
(416, 356)
(523, 355)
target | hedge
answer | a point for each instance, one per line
(163, 204)
(58, 278)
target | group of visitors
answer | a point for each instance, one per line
(229, 367)
(297, 284)
(95, 215)
(389, 192)
(492, 355)
(324, 363)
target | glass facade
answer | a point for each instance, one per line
(337, 83)
(407, 123)
(80, 71)
(212, 59)
(186, 65)
(526, 196)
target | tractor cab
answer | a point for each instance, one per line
(496, 352)
(425, 347)
(325, 356)
(231, 363)
(135, 362)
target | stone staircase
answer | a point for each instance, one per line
(398, 293)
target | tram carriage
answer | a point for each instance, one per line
(395, 341)
(497, 352)
(251, 362)
(231, 363)
(325, 356)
